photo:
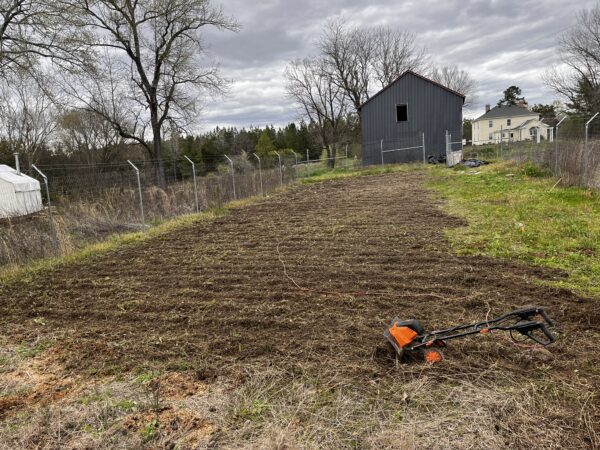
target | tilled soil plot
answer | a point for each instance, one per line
(301, 287)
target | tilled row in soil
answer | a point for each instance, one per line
(314, 273)
(307, 278)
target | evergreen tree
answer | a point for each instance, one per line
(512, 96)
(547, 112)
(265, 145)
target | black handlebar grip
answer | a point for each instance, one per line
(548, 333)
(546, 318)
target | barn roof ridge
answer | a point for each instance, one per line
(418, 76)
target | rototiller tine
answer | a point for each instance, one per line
(409, 336)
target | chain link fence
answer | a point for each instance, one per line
(88, 203)
(415, 147)
(406, 147)
(571, 152)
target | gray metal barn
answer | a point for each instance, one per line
(412, 109)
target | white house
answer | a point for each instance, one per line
(510, 124)
(20, 194)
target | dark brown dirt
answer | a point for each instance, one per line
(214, 297)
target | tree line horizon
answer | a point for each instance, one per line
(98, 80)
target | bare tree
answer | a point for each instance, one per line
(579, 83)
(348, 54)
(151, 69)
(30, 29)
(320, 100)
(27, 113)
(396, 52)
(458, 80)
(88, 135)
(357, 58)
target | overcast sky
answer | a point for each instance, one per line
(499, 42)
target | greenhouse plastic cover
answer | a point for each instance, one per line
(21, 183)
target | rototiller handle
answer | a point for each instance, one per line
(527, 329)
(527, 313)
(548, 320)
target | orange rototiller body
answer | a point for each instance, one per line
(409, 336)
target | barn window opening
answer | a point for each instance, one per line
(402, 113)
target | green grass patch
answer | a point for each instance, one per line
(253, 410)
(26, 350)
(343, 172)
(519, 212)
(147, 377)
(150, 431)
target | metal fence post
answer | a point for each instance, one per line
(262, 193)
(195, 184)
(232, 176)
(556, 168)
(501, 140)
(381, 146)
(307, 162)
(448, 162)
(52, 227)
(139, 182)
(424, 157)
(447, 145)
(17, 163)
(295, 166)
(586, 160)
(280, 168)
(346, 156)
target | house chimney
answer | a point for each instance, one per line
(487, 108)
(522, 103)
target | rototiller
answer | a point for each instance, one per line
(409, 336)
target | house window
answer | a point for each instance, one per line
(508, 122)
(512, 135)
(533, 132)
(401, 113)
(491, 136)
(491, 124)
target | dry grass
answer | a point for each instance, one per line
(568, 164)
(90, 217)
(132, 412)
(270, 408)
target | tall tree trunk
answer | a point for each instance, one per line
(327, 147)
(331, 154)
(157, 163)
(29, 158)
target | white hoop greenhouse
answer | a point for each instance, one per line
(20, 194)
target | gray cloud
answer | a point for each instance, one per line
(500, 42)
